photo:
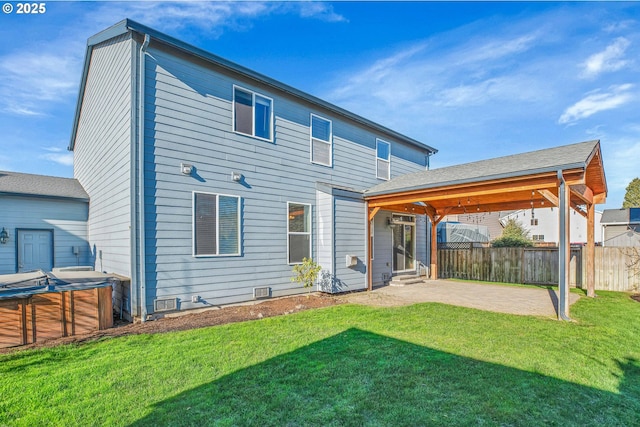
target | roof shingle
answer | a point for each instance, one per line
(550, 159)
(24, 184)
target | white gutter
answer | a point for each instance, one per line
(141, 234)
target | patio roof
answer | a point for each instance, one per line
(570, 176)
(518, 181)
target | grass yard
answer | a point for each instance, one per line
(347, 365)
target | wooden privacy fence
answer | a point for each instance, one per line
(538, 266)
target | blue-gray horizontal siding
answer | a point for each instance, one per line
(102, 160)
(66, 218)
(350, 239)
(188, 119)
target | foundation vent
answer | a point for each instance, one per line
(165, 304)
(261, 292)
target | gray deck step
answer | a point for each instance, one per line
(405, 279)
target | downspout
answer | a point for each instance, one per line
(563, 252)
(141, 233)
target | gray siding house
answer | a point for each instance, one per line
(208, 181)
(621, 227)
(43, 223)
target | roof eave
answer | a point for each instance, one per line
(517, 174)
(126, 25)
(44, 196)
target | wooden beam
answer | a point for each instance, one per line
(373, 213)
(462, 192)
(591, 251)
(599, 199)
(583, 192)
(551, 198)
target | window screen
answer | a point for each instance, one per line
(321, 141)
(216, 224)
(383, 156)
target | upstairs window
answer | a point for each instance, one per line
(216, 224)
(298, 232)
(321, 140)
(252, 114)
(383, 159)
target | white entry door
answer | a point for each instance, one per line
(35, 250)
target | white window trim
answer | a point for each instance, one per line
(388, 161)
(193, 225)
(310, 232)
(253, 115)
(329, 143)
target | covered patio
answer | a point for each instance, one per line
(528, 301)
(566, 177)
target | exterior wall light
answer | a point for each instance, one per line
(186, 168)
(4, 236)
(236, 176)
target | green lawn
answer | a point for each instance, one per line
(427, 364)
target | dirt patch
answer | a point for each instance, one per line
(635, 297)
(216, 316)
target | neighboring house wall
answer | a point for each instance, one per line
(102, 153)
(621, 235)
(65, 218)
(190, 120)
(548, 223)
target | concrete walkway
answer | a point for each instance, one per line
(499, 298)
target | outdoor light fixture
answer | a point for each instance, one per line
(4, 236)
(236, 176)
(186, 168)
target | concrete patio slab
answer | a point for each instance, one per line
(499, 298)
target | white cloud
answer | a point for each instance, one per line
(597, 101)
(610, 59)
(212, 17)
(29, 79)
(57, 155)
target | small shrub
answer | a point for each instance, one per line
(514, 235)
(306, 273)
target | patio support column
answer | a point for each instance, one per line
(434, 250)
(591, 251)
(371, 213)
(564, 248)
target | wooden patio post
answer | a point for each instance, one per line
(591, 251)
(434, 249)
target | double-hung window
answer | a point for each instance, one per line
(216, 224)
(298, 232)
(321, 140)
(383, 159)
(252, 114)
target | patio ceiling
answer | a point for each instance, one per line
(513, 182)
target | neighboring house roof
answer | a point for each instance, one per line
(127, 25)
(517, 165)
(24, 184)
(620, 216)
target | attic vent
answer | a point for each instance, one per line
(165, 304)
(261, 292)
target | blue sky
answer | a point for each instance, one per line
(475, 80)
